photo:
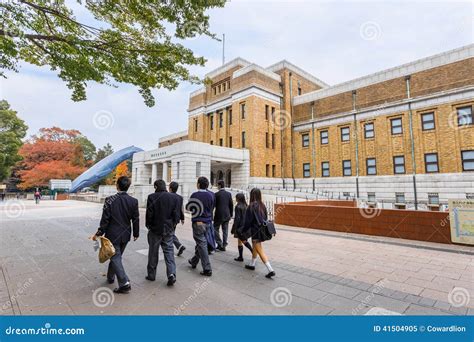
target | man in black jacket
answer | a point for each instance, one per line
(224, 209)
(161, 212)
(173, 187)
(119, 213)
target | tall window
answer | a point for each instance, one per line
(433, 198)
(467, 160)
(306, 170)
(399, 197)
(431, 162)
(221, 142)
(242, 110)
(345, 134)
(399, 165)
(195, 125)
(371, 166)
(325, 169)
(305, 139)
(267, 112)
(221, 119)
(212, 121)
(273, 170)
(230, 116)
(198, 169)
(465, 116)
(178, 164)
(428, 121)
(273, 141)
(346, 168)
(230, 141)
(243, 139)
(267, 170)
(273, 114)
(324, 135)
(267, 142)
(369, 130)
(212, 142)
(396, 125)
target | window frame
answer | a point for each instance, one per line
(243, 110)
(326, 137)
(304, 140)
(367, 166)
(243, 139)
(471, 160)
(371, 130)
(328, 169)
(344, 168)
(431, 163)
(392, 127)
(470, 116)
(348, 134)
(395, 165)
(432, 121)
(307, 172)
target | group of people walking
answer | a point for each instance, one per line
(211, 214)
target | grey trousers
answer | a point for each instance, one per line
(176, 241)
(201, 253)
(116, 266)
(225, 233)
(166, 243)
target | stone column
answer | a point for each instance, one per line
(165, 172)
(154, 172)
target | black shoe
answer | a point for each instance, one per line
(206, 273)
(123, 289)
(149, 278)
(222, 249)
(110, 281)
(249, 267)
(171, 280)
(239, 259)
(191, 263)
(270, 275)
(181, 250)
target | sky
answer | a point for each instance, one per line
(335, 41)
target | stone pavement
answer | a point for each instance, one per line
(48, 266)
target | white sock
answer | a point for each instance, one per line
(253, 262)
(270, 269)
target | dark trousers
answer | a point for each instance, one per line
(201, 253)
(225, 233)
(116, 266)
(166, 243)
(176, 241)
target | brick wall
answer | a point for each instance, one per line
(403, 224)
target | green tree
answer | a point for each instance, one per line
(87, 147)
(133, 41)
(12, 130)
(103, 152)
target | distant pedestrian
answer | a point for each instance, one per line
(239, 225)
(37, 196)
(119, 214)
(201, 204)
(255, 217)
(161, 212)
(173, 187)
(224, 208)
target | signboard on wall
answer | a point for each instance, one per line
(461, 218)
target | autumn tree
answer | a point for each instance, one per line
(114, 41)
(12, 131)
(52, 153)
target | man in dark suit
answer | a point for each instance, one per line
(120, 212)
(173, 188)
(224, 209)
(161, 212)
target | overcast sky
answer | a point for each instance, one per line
(335, 41)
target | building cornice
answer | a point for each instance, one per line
(228, 66)
(420, 102)
(444, 58)
(257, 68)
(284, 64)
(174, 136)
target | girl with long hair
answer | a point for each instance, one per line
(255, 217)
(238, 225)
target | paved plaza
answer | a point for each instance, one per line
(48, 266)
